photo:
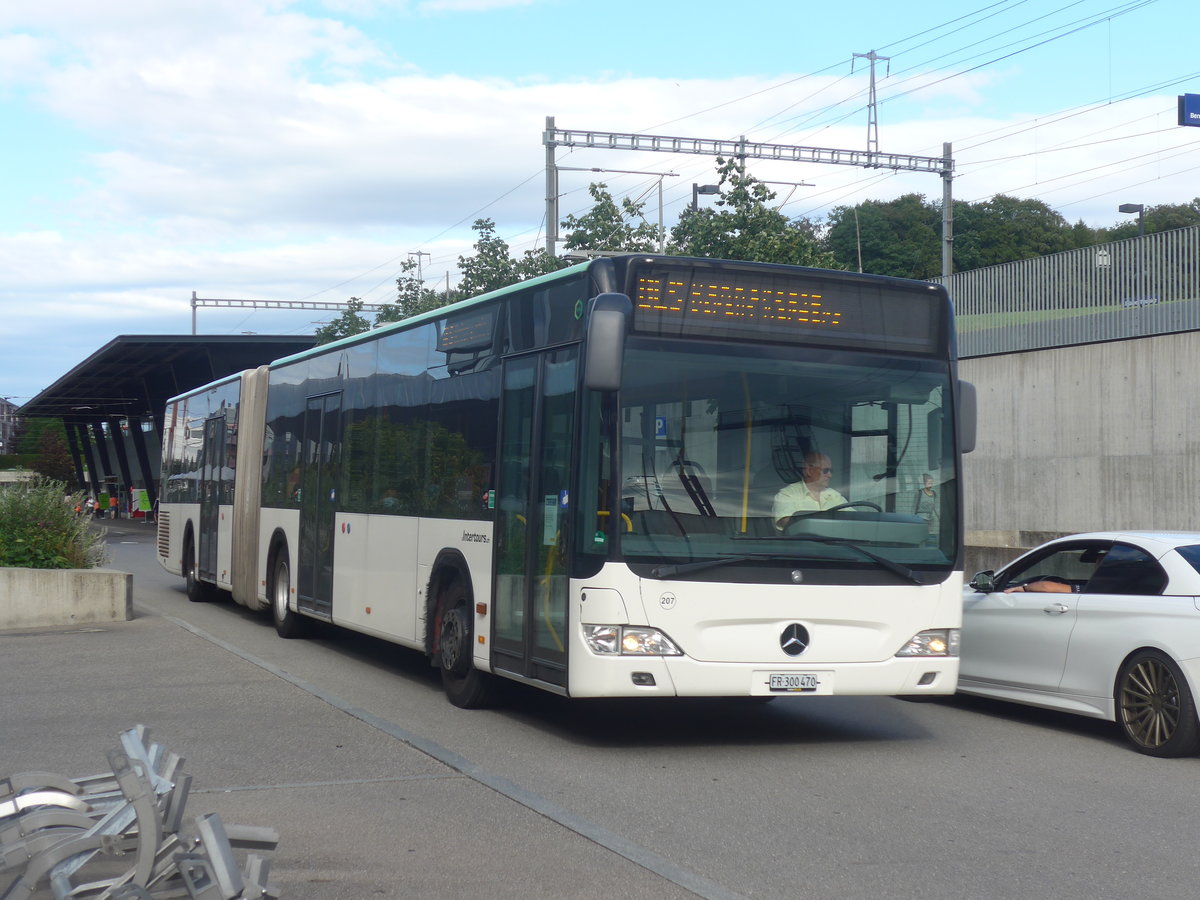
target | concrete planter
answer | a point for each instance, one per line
(39, 598)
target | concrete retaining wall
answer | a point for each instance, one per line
(1085, 438)
(39, 598)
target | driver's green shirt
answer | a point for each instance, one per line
(797, 498)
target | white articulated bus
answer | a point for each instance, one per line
(579, 482)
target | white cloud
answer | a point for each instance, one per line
(437, 6)
(243, 148)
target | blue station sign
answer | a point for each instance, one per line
(1189, 109)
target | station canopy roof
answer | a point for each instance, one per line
(133, 376)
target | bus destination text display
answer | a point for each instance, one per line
(804, 308)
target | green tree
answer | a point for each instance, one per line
(900, 237)
(491, 267)
(44, 443)
(412, 296)
(1164, 217)
(742, 226)
(54, 457)
(1006, 229)
(350, 321)
(609, 226)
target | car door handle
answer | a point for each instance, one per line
(1055, 609)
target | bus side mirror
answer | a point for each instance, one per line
(608, 321)
(967, 416)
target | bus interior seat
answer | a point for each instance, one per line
(764, 485)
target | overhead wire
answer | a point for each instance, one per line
(824, 119)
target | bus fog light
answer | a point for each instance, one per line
(629, 640)
(936, 642)
(602, 638)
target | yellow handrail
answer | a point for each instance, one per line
(604, 514)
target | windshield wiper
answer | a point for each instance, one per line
(904, 571)
(699, 566)
(891, 565)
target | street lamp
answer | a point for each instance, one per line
(698, 189)
(1138, 208)
(793, 185)
(1142, 290)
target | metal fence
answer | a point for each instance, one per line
(1134, 288)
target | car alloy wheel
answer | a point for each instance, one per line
(1155, 708)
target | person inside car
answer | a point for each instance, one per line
(1045, 584)
(1053, 584)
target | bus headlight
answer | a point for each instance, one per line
(629, 640)
(937, 642)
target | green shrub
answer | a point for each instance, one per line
(39, 528)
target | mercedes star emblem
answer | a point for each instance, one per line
(794, 639)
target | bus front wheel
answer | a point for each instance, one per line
(287, 623)
(465, 686)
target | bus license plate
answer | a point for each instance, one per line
(798, 682)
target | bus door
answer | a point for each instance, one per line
(532, 516)
(319, 481)
(211, 483)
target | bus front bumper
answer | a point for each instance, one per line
(679, 676)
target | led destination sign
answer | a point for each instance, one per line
(733, 302)
(727, 300)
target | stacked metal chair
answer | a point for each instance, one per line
(124, 832)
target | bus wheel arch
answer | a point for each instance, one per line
(450, 633)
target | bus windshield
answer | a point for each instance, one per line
(837, 461)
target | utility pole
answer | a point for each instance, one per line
(872, 108)
(418, 254)
(551, 187)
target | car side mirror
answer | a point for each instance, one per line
(984, 582)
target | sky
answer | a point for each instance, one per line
(302, 150)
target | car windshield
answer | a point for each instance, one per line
(831, 459)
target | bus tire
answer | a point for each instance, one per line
(466, 686)
(197, 590)
(288, 624)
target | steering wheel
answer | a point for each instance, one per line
(819, 512)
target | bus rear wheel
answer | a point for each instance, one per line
(288, 624)
(197, 590)
(465, 686)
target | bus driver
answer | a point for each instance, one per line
(813, 493)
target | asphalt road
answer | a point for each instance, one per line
(820, 797)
